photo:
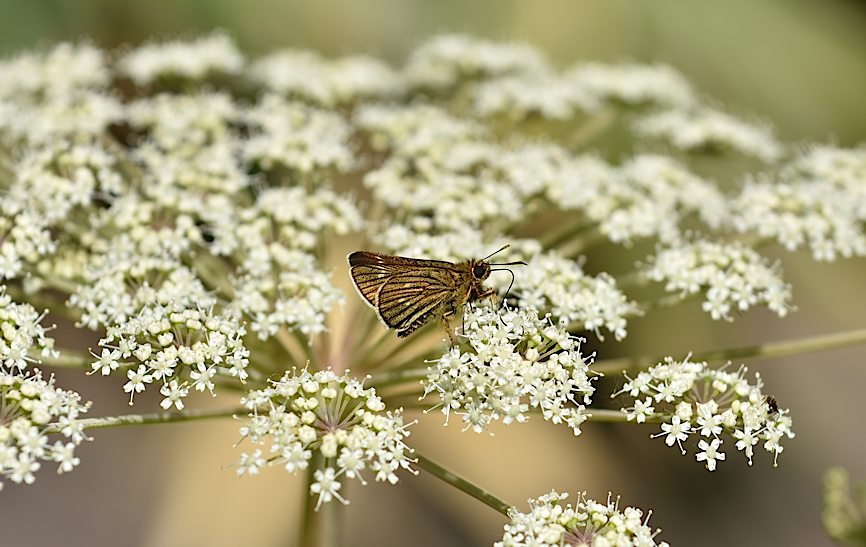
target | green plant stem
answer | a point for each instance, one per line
(555, 238)
(157, 418)
(592, 128)
(462, 484)
(307, 534)
(68, 359)
(763, 351)
(396, 377)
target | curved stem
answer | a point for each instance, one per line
(762, 351)
(462, 484)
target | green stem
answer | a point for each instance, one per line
(763, 351)
(460, 483)
(557, 237)
(592, 128)
(68, 359)
(394, 377)
(308, 517)
(157, 418)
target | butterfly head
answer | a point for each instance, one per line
(480, 269)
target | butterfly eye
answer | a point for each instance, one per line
(479, 270)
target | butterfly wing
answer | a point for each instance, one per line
(405, 292)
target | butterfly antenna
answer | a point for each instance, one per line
(496, 251)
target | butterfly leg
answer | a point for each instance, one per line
(446, 323)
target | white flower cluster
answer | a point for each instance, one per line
(414, 129)
(519, 97)
(31, 410)
(308, 76)
(632, 83)
(297, 136)
(56, 95)
(647, 196)
(549, 523)
(732, 277)
(456, 192)
(333, 415)
(693, 399)
(51, 181)
(21, 335)
(582, 88)
(279, 282)
(290, 291)
(706, 128)
(819, 201)
(558, 286)
(511, 362)
(446, 60)
(182, 347)
(454, 246)
(63, 69)
(184, 121)
(192, 60)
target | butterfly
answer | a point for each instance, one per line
(407, 293)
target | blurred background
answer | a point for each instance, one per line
(800, 64)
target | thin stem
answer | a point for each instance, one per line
(330, 522)
(554, 238)
(157, 418)
(395, 377)
(296, 350)
(460, 483)
(67, 359)
(592, 128)
(763, 351)
(308, 517)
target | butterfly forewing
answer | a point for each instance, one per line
(404, 291)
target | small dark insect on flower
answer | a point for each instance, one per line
(772, 405)
(407, 293)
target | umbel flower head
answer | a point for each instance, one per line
(549, 523)
(22, 335)
(509, 362)
(305, 413)
(33, 413)
(695, 401)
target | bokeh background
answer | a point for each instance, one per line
(800, 64)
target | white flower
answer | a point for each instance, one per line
(64, 69)
(560, 287)
(297, 136)
(550, 523)
(192, 60)
(707, 128)
(35, 412)
(513, 361)
(22, 336)
(326, 486)
(733, 276)
(632, 84)
(817, 201)
(446, 59)
(106, 362)
(308, 76)
(709, 452)
(176, 344)
(333, 415)
(174, 394)
(721, 402)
